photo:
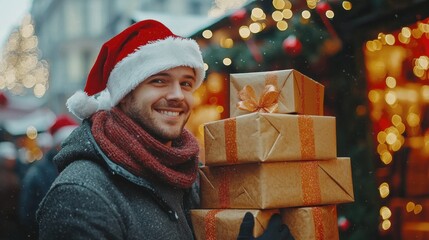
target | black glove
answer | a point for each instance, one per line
(276, 230)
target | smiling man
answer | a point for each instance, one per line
(127, 172)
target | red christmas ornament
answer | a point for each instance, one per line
(3, 100)
(343, 223)
(238, 16)
(322, 7)
(292, 45)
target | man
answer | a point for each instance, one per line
(42, 173)
(127, 172)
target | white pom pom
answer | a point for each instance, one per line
(81, 105)
(104, 101)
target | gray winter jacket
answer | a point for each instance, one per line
(94, 198)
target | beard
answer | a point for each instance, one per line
(149, 123)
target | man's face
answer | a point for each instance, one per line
(162, 103)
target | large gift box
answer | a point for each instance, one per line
(284, 91)
(309, 223)
(268, 137)
(277, 184)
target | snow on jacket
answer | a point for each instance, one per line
(94, 198)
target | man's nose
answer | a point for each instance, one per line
(175, 92)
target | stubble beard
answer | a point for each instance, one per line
(149, 124)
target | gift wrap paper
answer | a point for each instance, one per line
(277, 184)
(297, 92)
(305, 223)
(269, 137)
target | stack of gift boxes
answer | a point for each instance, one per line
(275, 154)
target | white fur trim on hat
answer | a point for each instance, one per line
(153, 58)
(81, 105)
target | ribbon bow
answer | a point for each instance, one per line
(268, 101)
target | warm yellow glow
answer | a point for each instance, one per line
(312, 4)
(282, 25)
(347, 5)
(403, 39)
(288, 4)
(391, 82)
(386, 157)
(401, 128)
(406, 32)
(220, 109)
(381, 137)
(390, 39)
(227, 61)
(396, 119)
(255, 27)
(391, 138)
(425, 92)
(226, 43)
(374, 96)
(410, 206)
(244, 31)
(418, 209)
(385, 212)
(381, 148)
(207, 34)
(416, 33)
(386, 224)
(384, 190)
(31, 132)
(423, 62)
(330, 14)
(206, 66)
(214, 83)
(390, 98)
(413, 119)
(396, 146)
(277, 16)
(279, 4)
(258, 13)
(287, 13)
(418, 71)
(306, 14)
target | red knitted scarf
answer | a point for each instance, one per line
(129, 145)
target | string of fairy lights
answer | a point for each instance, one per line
(403, 103)
(21, 68)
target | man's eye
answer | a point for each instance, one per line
(187, 84)
(157, 80)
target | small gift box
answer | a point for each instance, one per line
(284, 91)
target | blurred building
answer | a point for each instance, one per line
(71, 32)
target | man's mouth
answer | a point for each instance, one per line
(169, 113)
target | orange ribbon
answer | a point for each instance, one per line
(306, 136)
(318, 223)
(268, 101)
(230, 129)
(223, 194)
(310, 183)
(210, 224)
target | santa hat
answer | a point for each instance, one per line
(140, 51)
(61, 128)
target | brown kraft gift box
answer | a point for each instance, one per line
(269, 137)
(297, 93)
(277, 184)
(309, 223)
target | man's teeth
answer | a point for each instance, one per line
(169, 113)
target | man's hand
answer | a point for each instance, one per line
(276, 230)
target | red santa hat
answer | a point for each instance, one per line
(61, 128)
(140, 51)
